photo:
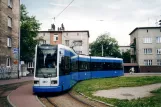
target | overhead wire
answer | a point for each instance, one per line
(64, 9)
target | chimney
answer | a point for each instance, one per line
(62, 27)
(53, 27)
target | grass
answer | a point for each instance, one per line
(88, 87)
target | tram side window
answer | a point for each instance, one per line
(96, 66)
(117, 66)
(107, 66)
(83, 66)
(74, 66)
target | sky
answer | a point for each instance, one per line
(115, 17)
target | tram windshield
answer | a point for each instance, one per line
(46, 64)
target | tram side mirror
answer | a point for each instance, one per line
(60, 52)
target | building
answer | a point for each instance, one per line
(78, 40)
(146, 48)
(124, 48)
(9, 33)
(50, 37)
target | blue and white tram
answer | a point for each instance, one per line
(58, 68)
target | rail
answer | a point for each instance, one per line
(65, 100)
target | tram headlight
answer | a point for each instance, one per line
(36, 82)
(54, 82)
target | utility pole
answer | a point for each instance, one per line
(102, 50)
(19, 63)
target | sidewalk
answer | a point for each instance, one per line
(141, 74)
(11, 81)
(23, 97)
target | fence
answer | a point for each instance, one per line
(6, 73)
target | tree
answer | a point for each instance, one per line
(29, 27)
(110, 46)
(126, 56)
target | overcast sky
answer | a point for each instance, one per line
(116, 17)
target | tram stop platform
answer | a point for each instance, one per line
(23, 97)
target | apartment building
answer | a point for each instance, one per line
(124, 48)
(9, 33)
(50, 37)
(146, 48)
(78, 40)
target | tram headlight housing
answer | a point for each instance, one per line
(36, 82)
(53, 81)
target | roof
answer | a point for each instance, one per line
(65, 31)
(144, 28)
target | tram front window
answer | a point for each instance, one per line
(46, 64)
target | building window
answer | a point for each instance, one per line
(78, 43)
(158, 51)
(159, 62)
(43, 34)
(147, 40)
(42, 42)
(147, 62)
(79, 52)
(158, 39)
(8, 62)
(9, 22)
(148, 51)
(55, 37)
(67, 42)
(10, 3)
(77, 34)
(9, 42)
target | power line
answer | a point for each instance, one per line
(63, 9)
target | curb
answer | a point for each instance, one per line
(39, 101)
(10, 100)
(96, 100)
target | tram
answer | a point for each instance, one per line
(58, 68)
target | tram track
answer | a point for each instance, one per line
(64, 100)
(51, 102)
(80, 100)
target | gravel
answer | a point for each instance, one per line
(128, 92)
